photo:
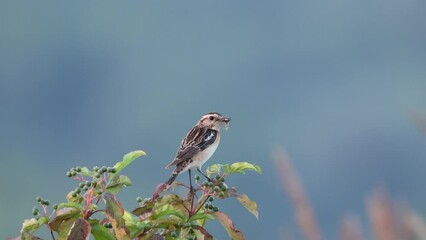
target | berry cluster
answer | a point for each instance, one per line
(44, 204)
(214, 187)
(188, 227)
(98, 175)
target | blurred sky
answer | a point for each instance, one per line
(83, 83)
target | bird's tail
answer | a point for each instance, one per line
(172, 178)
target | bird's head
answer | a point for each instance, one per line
(214, 120)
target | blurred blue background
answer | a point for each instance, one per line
(83, 83)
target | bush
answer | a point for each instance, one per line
(163, 216)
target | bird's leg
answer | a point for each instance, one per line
(191, 189)
(199, 170)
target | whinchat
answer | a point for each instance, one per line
(198, 146)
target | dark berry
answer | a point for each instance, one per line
(103, 169)
(55, 206)
(113, 170)
(85, 188)
(74, 194)
(95, 168)
(196, 177)
(73, 173)
(97, 175)
(216, 189)
(221, 195)
(81, 185)
(78, 169)
(35, 211)
(139, 199)
(45, 202)
(215, 209)
(39, 199)
(218, 177)
(69, 174)
(109, 169)
(211, 199)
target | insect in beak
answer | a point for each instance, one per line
(226, 120)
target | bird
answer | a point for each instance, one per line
(198, 145)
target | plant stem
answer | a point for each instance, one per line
(51, 232)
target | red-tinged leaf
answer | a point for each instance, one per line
(158, 189)
(203, 234)
(226, 222)
(250, 205)
(114, 213)
(62, 215)
(79, 230)
(145, 208)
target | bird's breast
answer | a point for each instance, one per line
(204, 155)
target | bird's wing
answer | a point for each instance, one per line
(197, 139)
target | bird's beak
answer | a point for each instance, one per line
(225, 119)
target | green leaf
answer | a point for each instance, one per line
(171, 200)
(131, 222)
(79, 230)
(114, 213)
(30, 225)
(71, 205)
(130, 219)
(64, 228)
(226, 222)
(201, 216)
(117, 182)
(127, 159)
(167, 211)
(86, 172)
(213, 169)
(249, 204)
(43, 220)
(100, 232)
(240, 167)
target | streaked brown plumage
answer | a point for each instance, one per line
(199, 145)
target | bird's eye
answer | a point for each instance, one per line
(211, 118)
